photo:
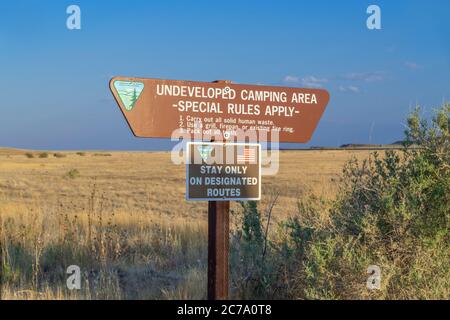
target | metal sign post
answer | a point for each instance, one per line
(218, 246)
(218, 249)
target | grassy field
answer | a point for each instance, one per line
(326, 221)
(122, 217)
(150, 182)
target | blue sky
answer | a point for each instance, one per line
(54, 81)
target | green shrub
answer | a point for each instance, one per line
(255, 270)
(392, 211)
(102, 154)
(29, 155)
(59, 155)
(73, 173)
(43, 155)
(81, 154)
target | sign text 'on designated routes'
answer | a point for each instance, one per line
(223, 171)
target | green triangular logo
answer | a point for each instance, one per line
(129, 92)
(205, 151)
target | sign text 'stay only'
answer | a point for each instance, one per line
(219, 171)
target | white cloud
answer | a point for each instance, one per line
(365, 76)
(291, 80)
(308, 81)
(412, 65)
(353, 89)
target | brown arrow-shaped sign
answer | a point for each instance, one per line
(155, 108)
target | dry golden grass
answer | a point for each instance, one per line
(150, 182)
(122, 217)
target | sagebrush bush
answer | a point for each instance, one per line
(73, 173)
(253, 270)
(391, 211)
(59, 155)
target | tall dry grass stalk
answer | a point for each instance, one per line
(122, 254)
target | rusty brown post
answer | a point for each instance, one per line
(218, 245)
(218, 249)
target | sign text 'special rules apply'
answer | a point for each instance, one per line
(154, 108)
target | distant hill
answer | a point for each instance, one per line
(399, 142)
(374, 146)
(11, 151)
(394, 145)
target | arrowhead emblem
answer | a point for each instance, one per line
(205, 151)
(128, 92)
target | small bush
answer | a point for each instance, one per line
(254, 271)
(43, 155)
(73, 173)
(59, 155)
(81, 154)
(102, 155)
(29, 155)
